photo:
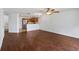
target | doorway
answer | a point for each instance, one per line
(24, 24)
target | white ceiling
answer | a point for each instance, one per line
(29, 11)
(23, 10)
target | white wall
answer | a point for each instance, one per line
(1, 27)
(14, 23)
(66, 23)
(20, 24)
(6, 22)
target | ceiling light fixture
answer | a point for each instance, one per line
(51, 11)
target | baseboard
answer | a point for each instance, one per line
(61, 34)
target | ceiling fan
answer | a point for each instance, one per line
(50, 11)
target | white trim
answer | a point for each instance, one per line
(62, 34)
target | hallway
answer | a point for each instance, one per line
(39, 40)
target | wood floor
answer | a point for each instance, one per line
(39, 41)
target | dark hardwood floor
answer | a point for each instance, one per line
(39, 41)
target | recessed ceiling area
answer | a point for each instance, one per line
(25, 11)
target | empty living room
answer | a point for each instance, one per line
(39, 29)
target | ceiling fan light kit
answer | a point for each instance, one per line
(49, 13)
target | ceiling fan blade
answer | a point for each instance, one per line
(48, 9)
(52, 9)
(56, 12)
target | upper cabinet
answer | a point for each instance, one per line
(32, 20)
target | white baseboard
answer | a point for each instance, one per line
(62, 34)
